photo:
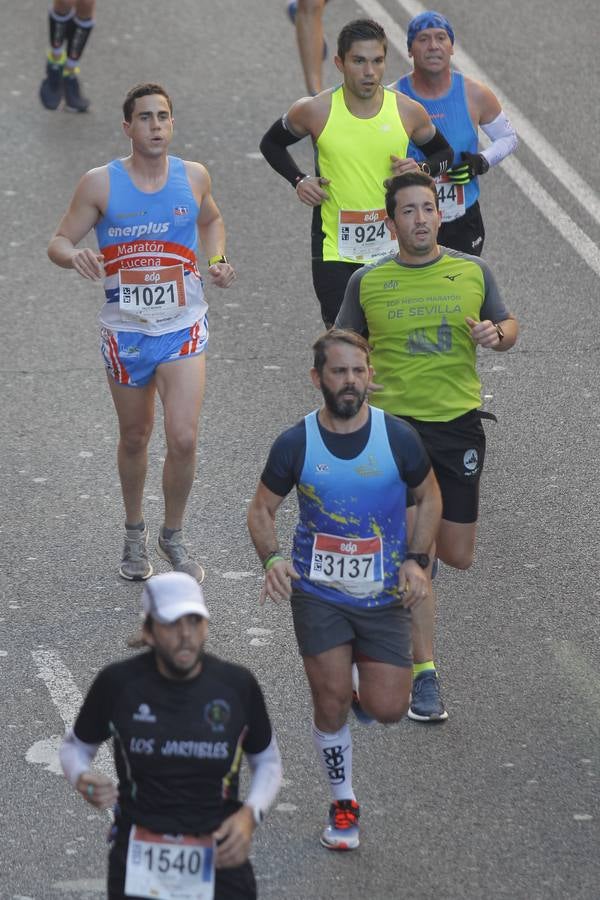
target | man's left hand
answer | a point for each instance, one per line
(483, 333)
(402, 165)
(471, 165)
(414, 583)
(222, 274)
(234, 837)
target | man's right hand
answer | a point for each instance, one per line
(88, 264)
(99, 790)
(278, 582)
(310, 192)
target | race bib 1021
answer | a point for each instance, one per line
(152, 295)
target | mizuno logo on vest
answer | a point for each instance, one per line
(452, 277)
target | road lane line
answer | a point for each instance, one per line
(525, 181)
(65, 694)
(67, 698)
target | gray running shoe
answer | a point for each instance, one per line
(175, 551)
(135, 565)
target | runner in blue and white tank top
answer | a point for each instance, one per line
(458, 106)
(149, 210)
(354, 574)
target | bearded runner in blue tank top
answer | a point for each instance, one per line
(349, 544)
(458, 106)
(354, 575)
(148, 211)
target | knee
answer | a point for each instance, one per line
(460, 559)
(182, 444)
(85, 9)
(392, 714)
(134, 439)
(331, 712)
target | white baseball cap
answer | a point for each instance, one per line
(170, 596)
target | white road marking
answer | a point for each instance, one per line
(259, 631)
(67, 698)
(545, 153)
(45, 753)
(236, 576)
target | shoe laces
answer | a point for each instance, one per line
(175, 547)
(345, 814)
(426, 685)
(135, 545)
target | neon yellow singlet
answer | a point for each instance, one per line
(354, 154)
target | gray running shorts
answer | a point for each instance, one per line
(381, 633)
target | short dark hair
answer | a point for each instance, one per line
(338, 336)
(143, 90)
(360, 30)
(408, 179)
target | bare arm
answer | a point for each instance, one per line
(261, 525)
(414, 580)
(211, 227)
(425, 135)
(86, 207)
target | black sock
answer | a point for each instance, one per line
(79, 32)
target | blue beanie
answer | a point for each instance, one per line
(428, 19)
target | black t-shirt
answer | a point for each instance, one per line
(177, 744)
(286, 458)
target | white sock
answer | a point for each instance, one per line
(335, 755)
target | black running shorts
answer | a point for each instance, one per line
(457, 452)
(329, 281)
(466, 234)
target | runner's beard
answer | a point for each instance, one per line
(343, 409)
(175, 671)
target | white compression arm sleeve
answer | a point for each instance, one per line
(265, 779)
(75, 756)
(503, 137)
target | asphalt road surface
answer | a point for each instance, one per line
(502, 800)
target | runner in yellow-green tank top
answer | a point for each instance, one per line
(354, 155)
(360, 131)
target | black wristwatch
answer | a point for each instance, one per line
(422, 559)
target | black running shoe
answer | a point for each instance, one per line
(51, 88)
(74, 99)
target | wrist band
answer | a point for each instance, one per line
(219, 258)
(271, 559)
(300, 179)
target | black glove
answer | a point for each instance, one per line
(472, 164)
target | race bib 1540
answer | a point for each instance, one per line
(169, 867)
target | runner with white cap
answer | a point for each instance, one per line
(180, 720)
